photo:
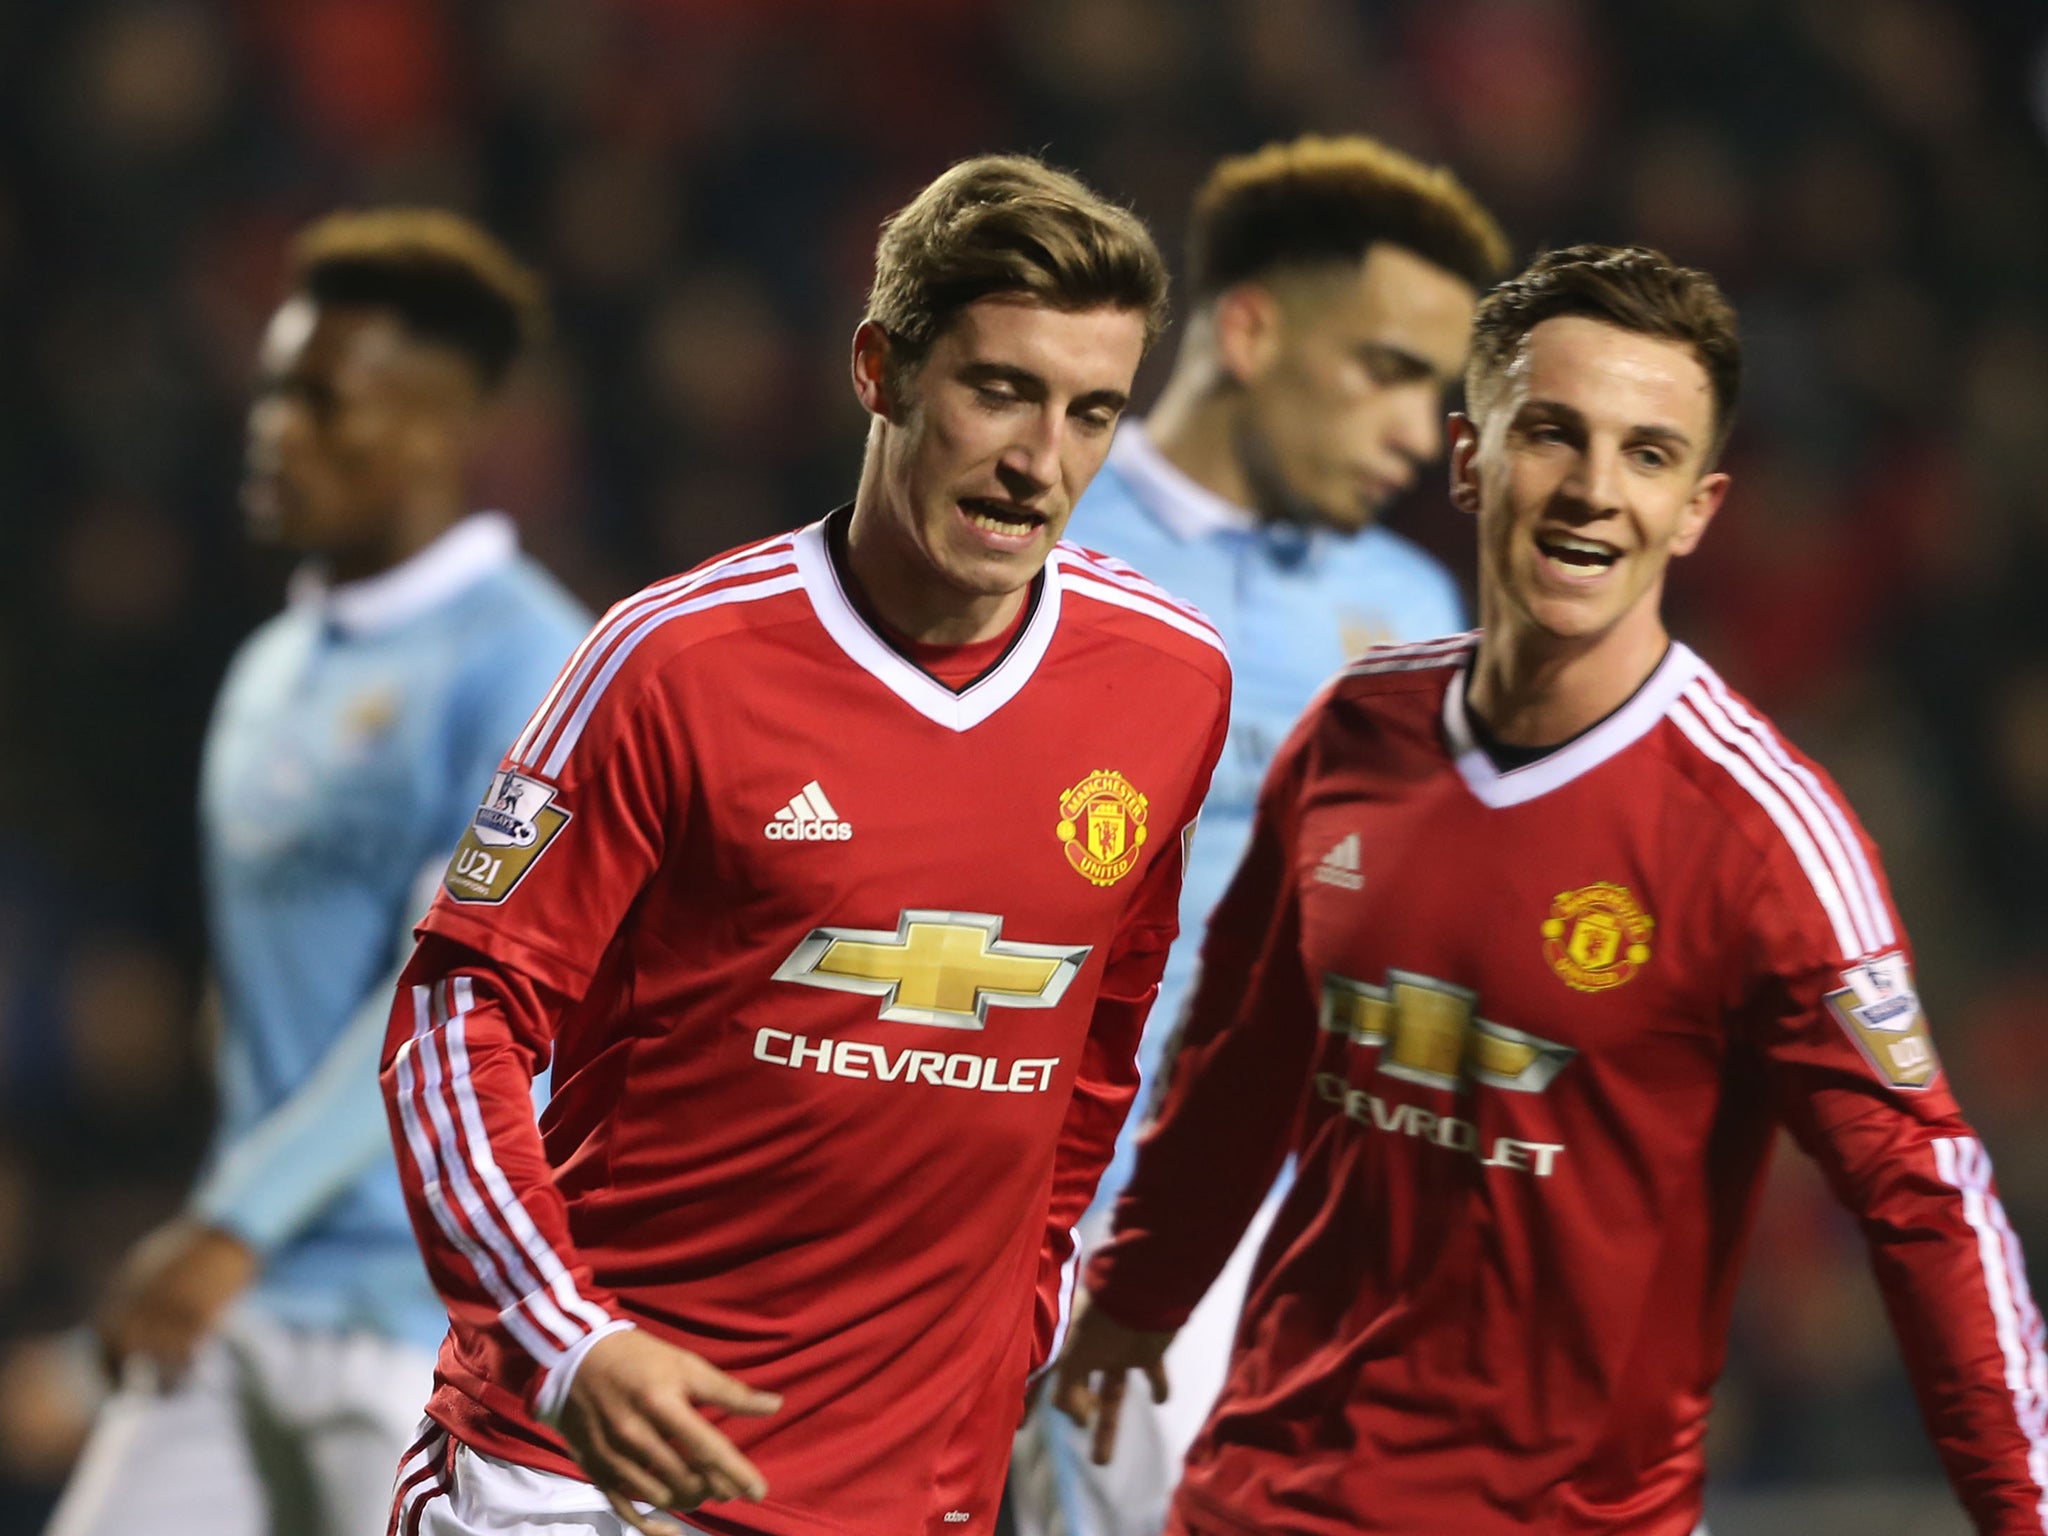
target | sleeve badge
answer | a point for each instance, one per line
(1879, 1008)
(510, 830)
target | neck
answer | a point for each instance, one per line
(901, 585)
(1534, 689)
(1194, 427)
(411, 529)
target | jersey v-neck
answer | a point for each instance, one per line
(1498, 786)
(868, 645)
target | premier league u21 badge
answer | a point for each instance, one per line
(1102, 826)
(511, 829)
(1597, 937)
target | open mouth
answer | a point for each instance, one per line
(1577, 554)
(1006, 519)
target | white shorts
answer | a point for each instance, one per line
(272, 1432)
(1055, 1490)
(447, 1489)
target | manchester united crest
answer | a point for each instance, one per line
(1102, 826)
(1597, 937)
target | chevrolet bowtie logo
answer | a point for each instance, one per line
(943, 968)
(1427, 1032)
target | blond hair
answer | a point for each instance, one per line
(1314, 200)
(1008, 224)
(446, 279)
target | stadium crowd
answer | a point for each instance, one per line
(700, 180)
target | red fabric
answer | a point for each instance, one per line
(958, 665)
(1497, 1309)
(858, 1213)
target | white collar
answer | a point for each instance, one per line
(477, 545)
(1626, 726)
(1188, 510)
(912, 684)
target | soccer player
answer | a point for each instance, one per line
(1333, 284)
(837, 875)
(273, 1341)
(1606, 931)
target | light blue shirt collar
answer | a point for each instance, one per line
(469, 550)
(1188, 510)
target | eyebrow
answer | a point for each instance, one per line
(1409, 364)
(1033, 384)
(1557, 411)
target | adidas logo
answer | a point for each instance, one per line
(808, 818)
(1340, 865)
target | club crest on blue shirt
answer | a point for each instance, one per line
(511, 829)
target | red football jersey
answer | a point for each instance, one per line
(842, 973)
(1531, 1033)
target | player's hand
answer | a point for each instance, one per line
(1095, 1366)
(169, 1294)
(629, 1418)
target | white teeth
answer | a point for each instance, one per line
(997, 524)
(1579, 546)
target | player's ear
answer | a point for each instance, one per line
(871, 383)
(1247, 319)
(1699, 511)
(1464, 435)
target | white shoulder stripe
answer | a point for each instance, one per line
(1864, 877)
(1412, 657)
(2016, 1320)
(1124, 597)
(572, 729)
(1872, 935)
(1111, 569)
(586, 656)
(1744, 772)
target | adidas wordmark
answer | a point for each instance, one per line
(808, 818)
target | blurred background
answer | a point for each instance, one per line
(701, 181)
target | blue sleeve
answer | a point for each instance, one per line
(270, 1184)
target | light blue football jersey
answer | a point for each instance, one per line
(354, 735)
(1293, 605)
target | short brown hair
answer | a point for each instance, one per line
(1008, 224)
(446, 280)
(1316, 200)
(1631, 287)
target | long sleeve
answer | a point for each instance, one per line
(1237, 1075)
(1106, 1083)
(571, 830)
(268, 1184)
(1856, 1079)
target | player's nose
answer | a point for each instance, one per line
(1031, 462)
(1596, 478)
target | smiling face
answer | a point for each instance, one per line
(1343, 398)
(1588, 470)
(979, 453)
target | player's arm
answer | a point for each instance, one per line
(574, 825)
(1234, 1091)
(1858, 1083)
(1106, 1082)
(268, 1185)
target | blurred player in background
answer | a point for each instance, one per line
(1605, 931)
(1332, 288)
(837, 875)
(273, 1342)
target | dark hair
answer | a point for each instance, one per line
(1008, 224)
(446, 280)
(1631, 287)
(1330, 200)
